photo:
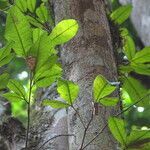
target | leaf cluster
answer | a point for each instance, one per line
(34, 44)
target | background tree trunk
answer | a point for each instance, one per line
(140, 18)
(90, 53)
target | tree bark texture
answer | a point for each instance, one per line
(90, 53)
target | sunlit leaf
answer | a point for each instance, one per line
(17, 88)
(124, 32)
(129, 48)
(63, 32)
(37, 32)
(121, 14)
(31, 5)
(55, 104)
(41, 50)
(125, 69)
(139, 139)
(5, 54)
(143, 69)
(42, 13)
(45, 69)
(21, 4)
(19, 31)
(117, 128)
(68, 90)
(48, 77)
(34, 22)
(101, 88)
(135, 90)
(12, 97)
(109, 101)
(142, 56)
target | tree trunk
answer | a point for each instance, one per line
(90, 53)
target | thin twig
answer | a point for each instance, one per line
(85, 131)
(29, 103)
(54, 138)
(101, 131)
(79, 117)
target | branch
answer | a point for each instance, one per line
(54, 138)
(79, 117)
(101, 131)
(85, 130)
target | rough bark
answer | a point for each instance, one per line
(90, 53)
(48, 123)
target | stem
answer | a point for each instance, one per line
(55, 138)
(104, 127)
(29, 104)
(85, 131)
(79, 116)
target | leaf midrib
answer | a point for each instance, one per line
(18, 34)
(100, 92)
(120, 14)
(119, 132)
(64, 31)
(18, 90)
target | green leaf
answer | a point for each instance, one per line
(45, 69)
(37, 32)
(142, 56)
(121, 14)
(42, 13)
(55, 104)
(117, 128)
(12, 97)
(41, 50)
(34, 22)
(138, 139)
(101, 88)
(31, 5)
(17, 88)
(48, 77)
(143, 69)
(5, 54)
(124, 32)
(129, 48)
(68, 90)
(4, 78)
(19, 31)
(63, 32)
(135, 90)
(109, 101)
(125, 69)
(21, 4)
